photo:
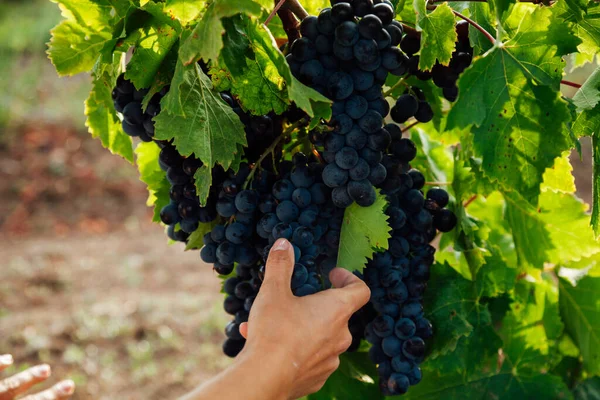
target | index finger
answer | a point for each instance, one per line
(21, 382)
(353, 290)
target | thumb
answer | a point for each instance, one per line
(279, 268)
(350, 287)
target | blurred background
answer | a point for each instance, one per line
(87, 283)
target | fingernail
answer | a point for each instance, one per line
(6, 359)
(66, 387)
(281, 244)
(41, 371)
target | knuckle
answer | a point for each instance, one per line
(318, 386)
(332, 366)
(345, 342)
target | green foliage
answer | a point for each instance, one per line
(102, 120)
(206, 42)
(364, 230)
(580, 310)
(438, 34)
(153, 177)
(508, 323)
(351, 380)
(587, 123)
(517, 136)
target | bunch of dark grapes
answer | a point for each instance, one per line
(128, 101)
(398, 277)
(346, 54)
(293, 204)
(444, 77)
(411, 103)
(261, 130)
(184, 213)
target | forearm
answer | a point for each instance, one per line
(251, 377)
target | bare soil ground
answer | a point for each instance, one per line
(89, 285)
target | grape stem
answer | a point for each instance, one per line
(292, 128)
(569, 83)
(476, 26)
(438, 183)
(408, 28)
(470, 200)
(275, 10)
(396, 85)
(295, 7)
(407, 127)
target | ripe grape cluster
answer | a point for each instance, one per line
(398, 277)
(293, 204)
(128, 101)
(346, 54)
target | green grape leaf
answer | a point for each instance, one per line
(252, 78)
(433, 159)
(587, 123)
(448, 301)
(351, 381)
(159, 11)
(566, 219)
(470, 233)
(312, 102)
(474, 370)
(438, 34)
(203, 181)
(184, 10)
(595, 222)
(588, 96)
(584, 23)
(556, 232)
(530, 235)
(510, 97)
(364, 229)
(76, 42)
(559, 178)
(206, 40)
(195, 241)
(533, 324)
(502, 8)
(496, 276)
(505, 384)
(580, 310)
(102, 121)
(208, 128)
(588, 389)
(151, 49)
(483, 15)
(154, 177)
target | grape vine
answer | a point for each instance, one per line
(421, 145)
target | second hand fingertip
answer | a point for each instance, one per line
(6, 359)
(66, 387)
(42, 371)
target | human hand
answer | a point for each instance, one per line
(18, 384)
(307, 333)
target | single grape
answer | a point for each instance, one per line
(444, 221)
(309, 27)
(346, 33)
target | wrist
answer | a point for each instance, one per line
(271, 368)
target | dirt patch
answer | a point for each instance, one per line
(89, 285)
